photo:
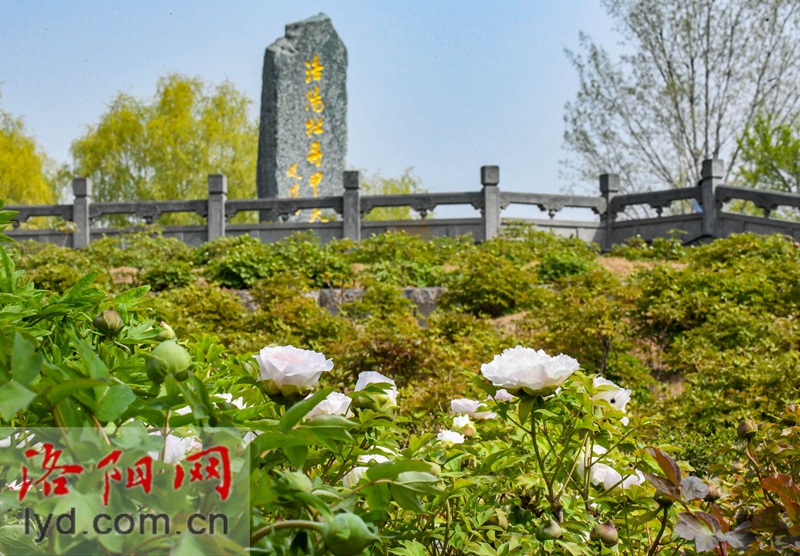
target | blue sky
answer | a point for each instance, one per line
(444, 87)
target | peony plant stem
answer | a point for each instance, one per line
(551, 495)
(657, 540)
(289, 524)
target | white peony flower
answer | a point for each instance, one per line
(502, 395)
(613, 394)
(602, 474)
(238, 402)
(461, 421)
(605, 475)
(176, 447)
(291, 372)
(462, 425)
(529, 370)
(450, 437)
(470, 408)
(372, 377)
(249, 437)
(335, 404)
(636, 479)
(354, 475)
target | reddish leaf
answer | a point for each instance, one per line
(718, 514)
(785, 487)
(663, 486)
(768, 520)
(668, 465)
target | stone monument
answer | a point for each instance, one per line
(302, 139)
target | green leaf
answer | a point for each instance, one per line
(296, 455)
(299, 410)
(378, 497)
(270, 440)
(393, 469)
(418, 481)
(25, 362)
(328, 429)
(126, 297)
(114, 402)
(406, 499)
(409, 548)
(524, 409)
(97, 369)
(79, 288)
(57, 393)
(13, 397)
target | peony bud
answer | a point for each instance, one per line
(168, 358)
(167, 334)
(385, 403)
(463, 425)
(714, 493)
(747, 429)
(606, 533)
(663, 500)
(347, 535)
(293, 481)
(434, 468)
(549, 531)
(108, 322)
(744, 514)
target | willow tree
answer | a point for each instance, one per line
(165, 147)
(26, 174)
(693, 76)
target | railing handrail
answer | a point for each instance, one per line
(709, 196)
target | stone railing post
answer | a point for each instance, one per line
(490, 177)
(711, 174)
(217, 196)
(609, 187)
(351, 205)
(82, 189)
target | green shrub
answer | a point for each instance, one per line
(168, 275)
(51, 267)
(485, 284)
(560, 264)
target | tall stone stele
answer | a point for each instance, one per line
(302, 139)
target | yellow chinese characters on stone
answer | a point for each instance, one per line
(314, 154)
(313, 181)
(314, 100)
(294, 191)
(314, 126)
(316, 214)
(292, 172)
(314, 69)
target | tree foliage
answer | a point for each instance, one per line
(405, 184)
(164, 148)
(24, 169)
(771, 156)
(694, 74)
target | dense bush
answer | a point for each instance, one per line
(688, 327)
(708, 348)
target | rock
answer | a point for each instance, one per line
(303, 129)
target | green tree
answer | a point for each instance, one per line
(164, 148)
(693, 75)
(771, 156)
(26, 174)
(376, 184)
